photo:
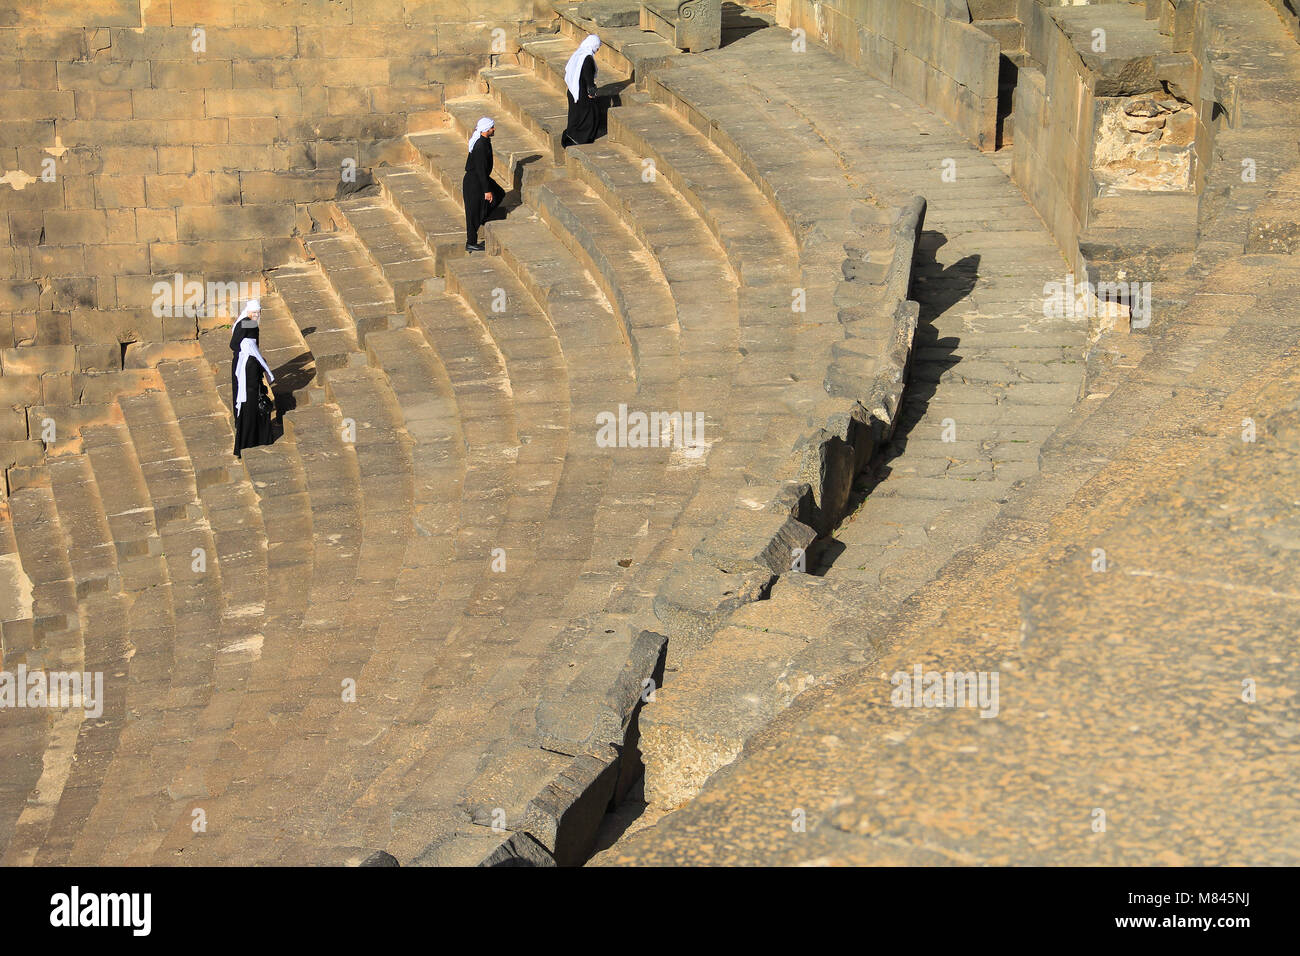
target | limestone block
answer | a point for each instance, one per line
(757, 540)
(37, 104)
(691, 25)
(103, 104)
(696, 597)
(18, 389)
(19, 295)
(103, 75)
(234, 222)
(187, 74)
(699, 722)
(565, 816)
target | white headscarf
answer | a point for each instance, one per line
(247, 347)
(573, 69)
(482, 126)
(251, 306)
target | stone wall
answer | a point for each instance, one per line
(926, 49)
(1065, 108)
(140, 140)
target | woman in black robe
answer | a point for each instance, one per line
(481, 193)
(250, 396)
(580, 83)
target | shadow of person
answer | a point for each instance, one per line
(514, 197)
(290, 377)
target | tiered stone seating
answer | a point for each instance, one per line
(57, 644)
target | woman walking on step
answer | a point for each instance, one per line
(584, 107)
(481, 193)
(252, 401)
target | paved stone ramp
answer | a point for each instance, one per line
(990, 379)
(1146, 712)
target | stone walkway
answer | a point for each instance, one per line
(991, 378)
(1134, 598)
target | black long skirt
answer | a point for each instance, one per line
(253, 424)
(584, 120)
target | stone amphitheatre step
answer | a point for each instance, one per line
(104, 613)
(540, 389)
(431, 416)
(759, 246)
(521, 332)
(427, 208)
(57, 645)
(91, 552)
(391, 244)
(486, 412)
(229, 501)
(26, 731)
(152, 658)
(57, 642)
(595, 349)
(324, 325)
(539, 109)
(359, 284)
(383, 451)
(631, 280)
(700, 281)
(277, 476)
(200, 601)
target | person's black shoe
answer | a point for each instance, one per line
(475, 247)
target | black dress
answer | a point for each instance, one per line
(253, 419)
(478, 181)
(584, 113)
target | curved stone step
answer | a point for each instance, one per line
(57, 646)
(760, 247)
(543, 112)
(595, 349)
(435, 217)
(26, 731)
(151, 640)
(354, 278)
(476, 370)
(201, 684)
(631, 280)
(430, 415)
(325, 327)
(383, 451)
(104, 612)
(540, 394)
(229, 500)
(391, 244)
